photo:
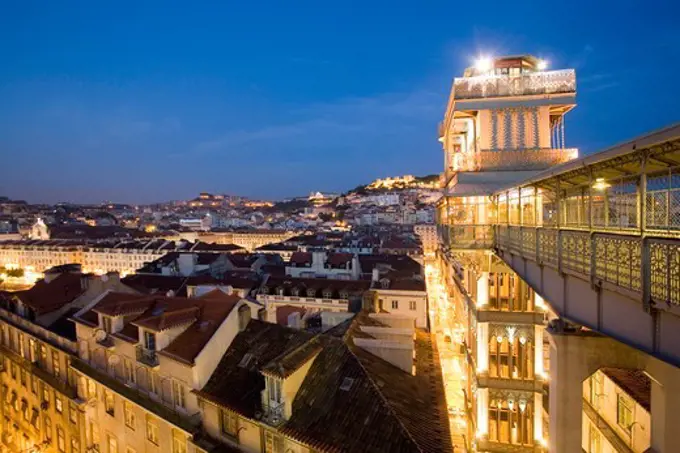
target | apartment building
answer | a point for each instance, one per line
(616, 411)
(40, 409)
(141, 357)
(367, 385)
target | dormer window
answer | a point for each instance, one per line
(311, 292)
(295, 291)
(279, 290)
(274, 389)
(265, 290)
(149, 341)
(327, 294)
(344, 295)
(107, 324)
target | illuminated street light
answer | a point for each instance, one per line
(601, 184)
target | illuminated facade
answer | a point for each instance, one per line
(504, 122)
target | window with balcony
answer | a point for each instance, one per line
(178, 394)
(274, 389)
(130, 375)
(149, 341)
(107, 324)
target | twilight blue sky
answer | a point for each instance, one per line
(150, 101)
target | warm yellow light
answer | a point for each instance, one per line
(542, 65)
(601, 184)
(483, 64)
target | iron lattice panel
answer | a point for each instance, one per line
(618, 260)
(575, 251)
(547, 247)
(664, 272)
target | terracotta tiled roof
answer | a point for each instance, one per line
(301, 258)
(634, 382)
(349, 401)
(284, 311)
(191, 342)
(336, 260)
(45, 297)
(119, 303)
(160, 317)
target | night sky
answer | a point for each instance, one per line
(139, 103)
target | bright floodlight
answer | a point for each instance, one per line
(542, 65)
(483, 64)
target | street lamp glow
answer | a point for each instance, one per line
(483, 64)
(542, 65)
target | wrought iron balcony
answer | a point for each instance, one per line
(147, 356)
(534, 83)
(273, 414)
(471, 236)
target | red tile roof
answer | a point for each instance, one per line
(284, 311)
(45, 297)
(634, 382)
(301, 258)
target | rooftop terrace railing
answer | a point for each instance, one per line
(533, 83)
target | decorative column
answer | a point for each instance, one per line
(482, 347)
(482, 413)
(539, 372)
(483, 290)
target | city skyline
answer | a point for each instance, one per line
(238, 101)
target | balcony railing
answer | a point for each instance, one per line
(470, 236)
(147, 356)
(521, 159)
(534, 83)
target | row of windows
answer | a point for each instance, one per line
(32, 350)
(412, 305)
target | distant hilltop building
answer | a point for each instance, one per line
(321, 198)
(403, 182)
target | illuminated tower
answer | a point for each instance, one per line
(504, 122)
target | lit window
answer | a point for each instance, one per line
(58, 403)
(229, 423)
(109, 403)
(179, 442)
(178, 396)
(61, 440)
(56, 368)
(151, 430)
(72, 414)
(75, 447)
(113, 444)
(129, 413)
(130, 375)
(624, 412)
(48, 428)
